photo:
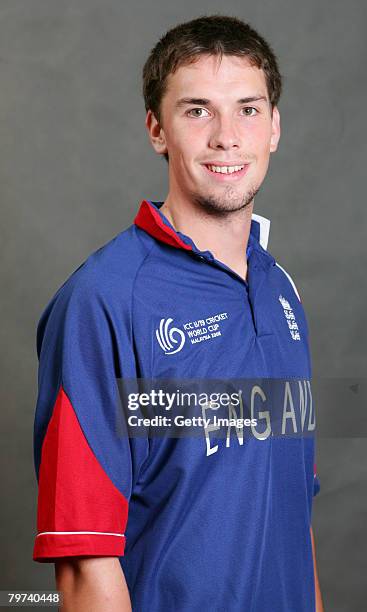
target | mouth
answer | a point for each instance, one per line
(226, 173)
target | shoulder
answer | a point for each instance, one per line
(287, 278)
(103, 283)
(110, 269)
(113, 266)
(260, 228)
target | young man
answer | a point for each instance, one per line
(189, 291)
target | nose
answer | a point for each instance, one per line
(224, 135)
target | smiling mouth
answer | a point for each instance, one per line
(225, 172)
(225, 169)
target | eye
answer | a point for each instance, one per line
(192, 110)
(250, 109)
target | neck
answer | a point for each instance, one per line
(225, 237)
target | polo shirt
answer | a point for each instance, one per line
(215, 520)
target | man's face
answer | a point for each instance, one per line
(216, 114)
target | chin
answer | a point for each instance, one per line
(220, 204)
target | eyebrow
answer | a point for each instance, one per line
(206, 102)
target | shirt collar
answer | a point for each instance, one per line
(154, 222)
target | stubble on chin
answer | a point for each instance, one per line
(224, 205)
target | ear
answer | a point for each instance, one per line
(275, 130)
(156, 133)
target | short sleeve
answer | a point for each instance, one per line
(85, 463)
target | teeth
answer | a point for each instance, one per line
(225, 169)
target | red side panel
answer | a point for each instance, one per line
(80, 511)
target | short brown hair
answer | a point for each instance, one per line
(213, 35)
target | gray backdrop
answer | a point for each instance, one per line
(75, 163)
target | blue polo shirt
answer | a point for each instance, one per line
(218, 520)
